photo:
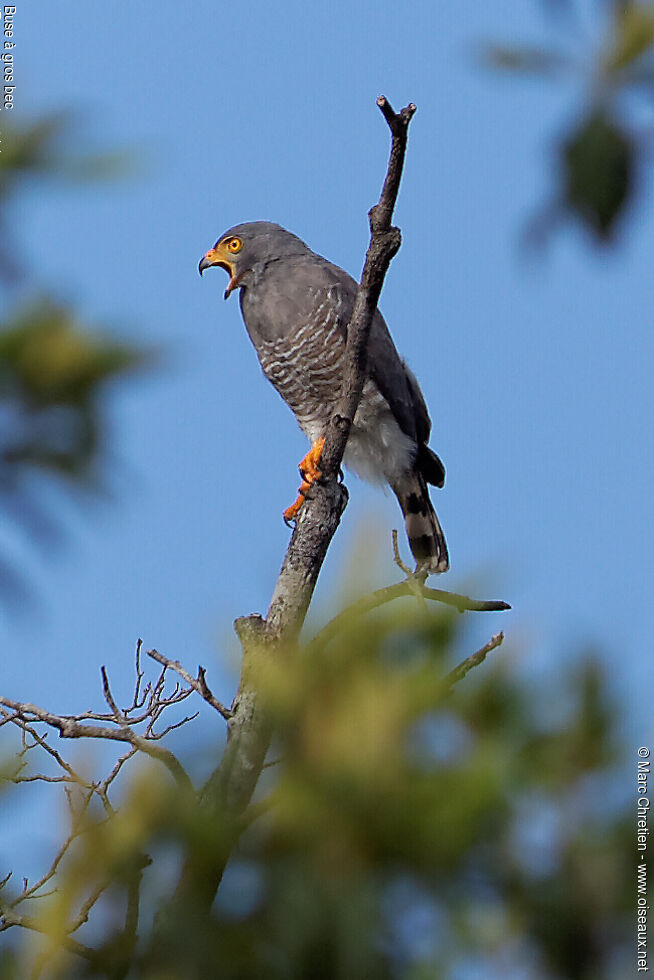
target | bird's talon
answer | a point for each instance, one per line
(308, 467)
(291, 513)
(310, 474)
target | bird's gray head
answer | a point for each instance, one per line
(248, 247)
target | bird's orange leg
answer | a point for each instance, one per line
(310, 473)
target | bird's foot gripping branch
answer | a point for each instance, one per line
(310, 473)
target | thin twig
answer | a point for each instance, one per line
(11, 918)
(397, 558)
(69, 727)
(134, 725)
(381, 596)
(473, 660)
(178, 724)
(198, 683)
(85, 909)
(415, 580)
(76, 830)
(136, 700)
(118, 715)
(464, 603)
(132, 910)
(102, 788)
(42, 742)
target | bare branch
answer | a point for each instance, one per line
(11, 918)
(198, 684)
(473, 660)
(118, 716)
(385, 242)
(85, 909)
(69, 726)
(178, 724)
(406, 588)
(102, 788)
(76, 829)
(464, 603)
(397, 557)
(41, 741)
(136, 700)
(149, 701)
(130, 930)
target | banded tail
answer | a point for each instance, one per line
(426, 538)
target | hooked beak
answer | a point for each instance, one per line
(214, 257)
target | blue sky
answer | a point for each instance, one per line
(537, 372)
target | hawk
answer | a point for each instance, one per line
(296, 307)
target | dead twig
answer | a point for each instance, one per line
(473, 660)
(11, 918)
(198, 683)
(397, 557)
(73, 726)
(406, 588)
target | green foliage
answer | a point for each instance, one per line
(525, 60)
(53, 368)
(598, 164)
(405, 829)
(632, 37)
(40, 149)
(601, 153)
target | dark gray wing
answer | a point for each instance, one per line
(387, 369)
(401, 390)
(396, 382)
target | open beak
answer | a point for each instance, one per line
(214, 257)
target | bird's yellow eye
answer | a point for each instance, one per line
(234, 245)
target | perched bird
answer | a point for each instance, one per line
(296, 306)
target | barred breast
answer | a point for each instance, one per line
(306, 368)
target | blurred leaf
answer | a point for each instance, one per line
(51, 372)
(633, 36)
(30, 147)
(98, 166)
(53, 360)
(52, 368)
(367, 859)
(41, 149)
(599, 159)
(525, 60)
(598, 165)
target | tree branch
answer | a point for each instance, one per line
(34, 891)
(409, 587)
(26, 715)
(198, 683)
(230, 788)
(473, 660)
(385, 242)
(12, 918)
